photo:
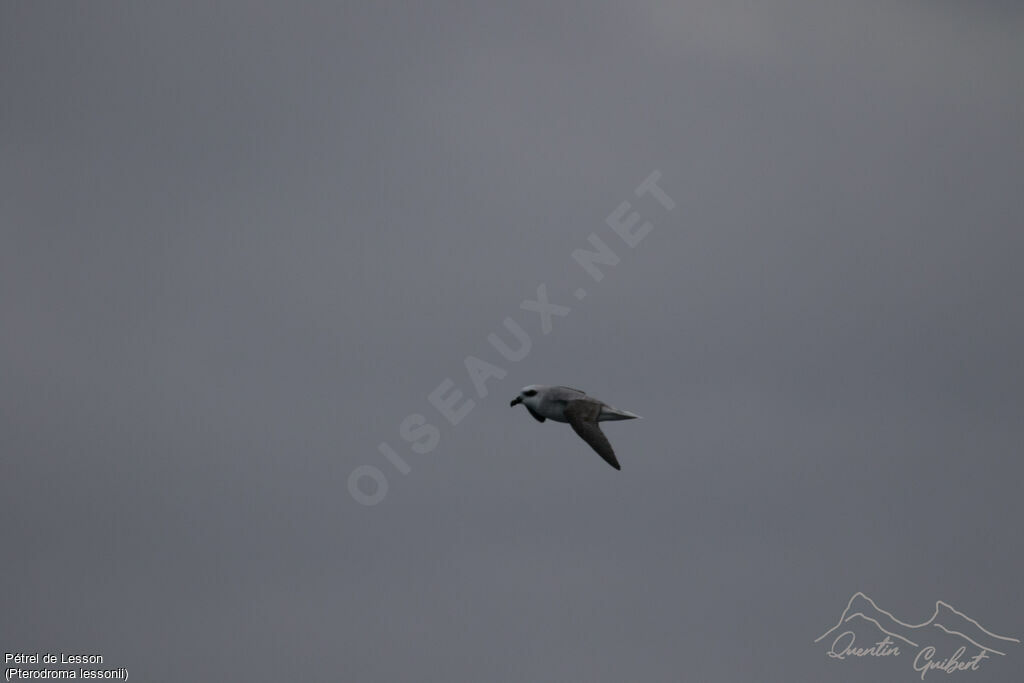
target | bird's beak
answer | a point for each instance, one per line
(516, 401)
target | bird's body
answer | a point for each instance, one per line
(581, 412)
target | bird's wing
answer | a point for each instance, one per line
(563, 394)
(536, 416)
(582, 416)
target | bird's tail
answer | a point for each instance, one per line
(608, 414)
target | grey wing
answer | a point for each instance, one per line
(565, 394)
(582, 416)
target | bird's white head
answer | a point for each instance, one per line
(528, 396)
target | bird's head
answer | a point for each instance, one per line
(527, 396)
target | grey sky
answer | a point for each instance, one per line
(241, 243)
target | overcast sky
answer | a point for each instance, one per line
(242, 242)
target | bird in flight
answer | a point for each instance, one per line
(565, 404)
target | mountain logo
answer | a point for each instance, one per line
(949, 641)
